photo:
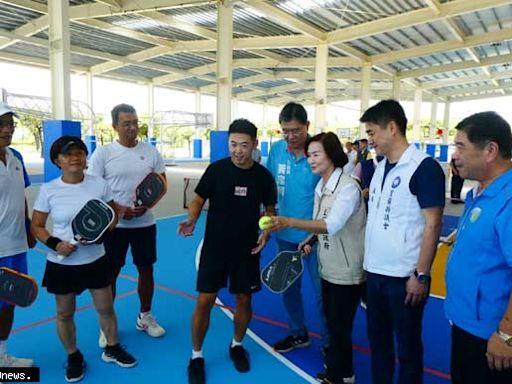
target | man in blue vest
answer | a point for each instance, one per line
(479, 270)
(405, 207)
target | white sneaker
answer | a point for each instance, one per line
(146, 322)
(349, 380)
(8, 361)
(102, 340)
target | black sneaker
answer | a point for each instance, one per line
(117, 354)
(240, 358)
(196, 371)
(322, 378)
(75, 368)
(292, 342)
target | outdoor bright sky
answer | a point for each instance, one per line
(28, 80)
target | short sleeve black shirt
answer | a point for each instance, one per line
(235, 196)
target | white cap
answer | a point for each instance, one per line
(4, 108)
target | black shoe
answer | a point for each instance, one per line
(292, 342)
(196, 371)
(322, 378)
(117, 354)
(240, 358)
(75, 368)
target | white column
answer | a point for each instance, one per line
(416, 122)
(197, 107)
(366, 80)
(433, 119)
(224, 63)
(322, 53)
(446, 121)
(151, 110)
(90, 100)
(396, 88)
(59, 46)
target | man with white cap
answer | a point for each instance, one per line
(14, 225)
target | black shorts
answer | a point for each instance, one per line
(141, 240)
(243, 271)
(63, 279)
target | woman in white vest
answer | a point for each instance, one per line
(339, 219)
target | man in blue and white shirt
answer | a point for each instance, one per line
(405, 207)
(295, 192)
(14, 225)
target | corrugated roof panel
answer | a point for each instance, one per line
(494, 49)
(272, 83)
(501, 67)
(192, 82)
(150, 26)
(99, 40)
(133, 70)
(286, 69)
(246, 21)
(239, 73)
(240, 90)
(295, 52)
(85, 61)
(181, 60)
(364, 47)
(241, 54)
(12, 17)
(344, 69)
(249, 22)
(205, 16)
(486, 20)
(27, 50)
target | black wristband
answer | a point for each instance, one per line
(52, 242)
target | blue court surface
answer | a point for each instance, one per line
(165, 360)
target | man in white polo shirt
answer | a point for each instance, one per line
(14, 225)
(124, 163)
(405, 209)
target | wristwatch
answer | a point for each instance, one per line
(423, 278)
(505, 337)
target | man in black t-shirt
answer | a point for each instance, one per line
(236, 187)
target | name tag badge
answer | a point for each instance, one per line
(475, 214)
(240, 191)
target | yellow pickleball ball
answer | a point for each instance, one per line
(265, 222)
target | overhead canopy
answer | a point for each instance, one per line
(452, 49)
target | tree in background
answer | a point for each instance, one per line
(34, 124)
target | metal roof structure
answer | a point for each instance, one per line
(450, 49)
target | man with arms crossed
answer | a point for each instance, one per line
(123, 164)
(236, 187)
(405, 208)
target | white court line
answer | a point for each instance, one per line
(258, 340)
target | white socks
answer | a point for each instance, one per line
(199, 354)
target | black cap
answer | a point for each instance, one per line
(63, 144)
